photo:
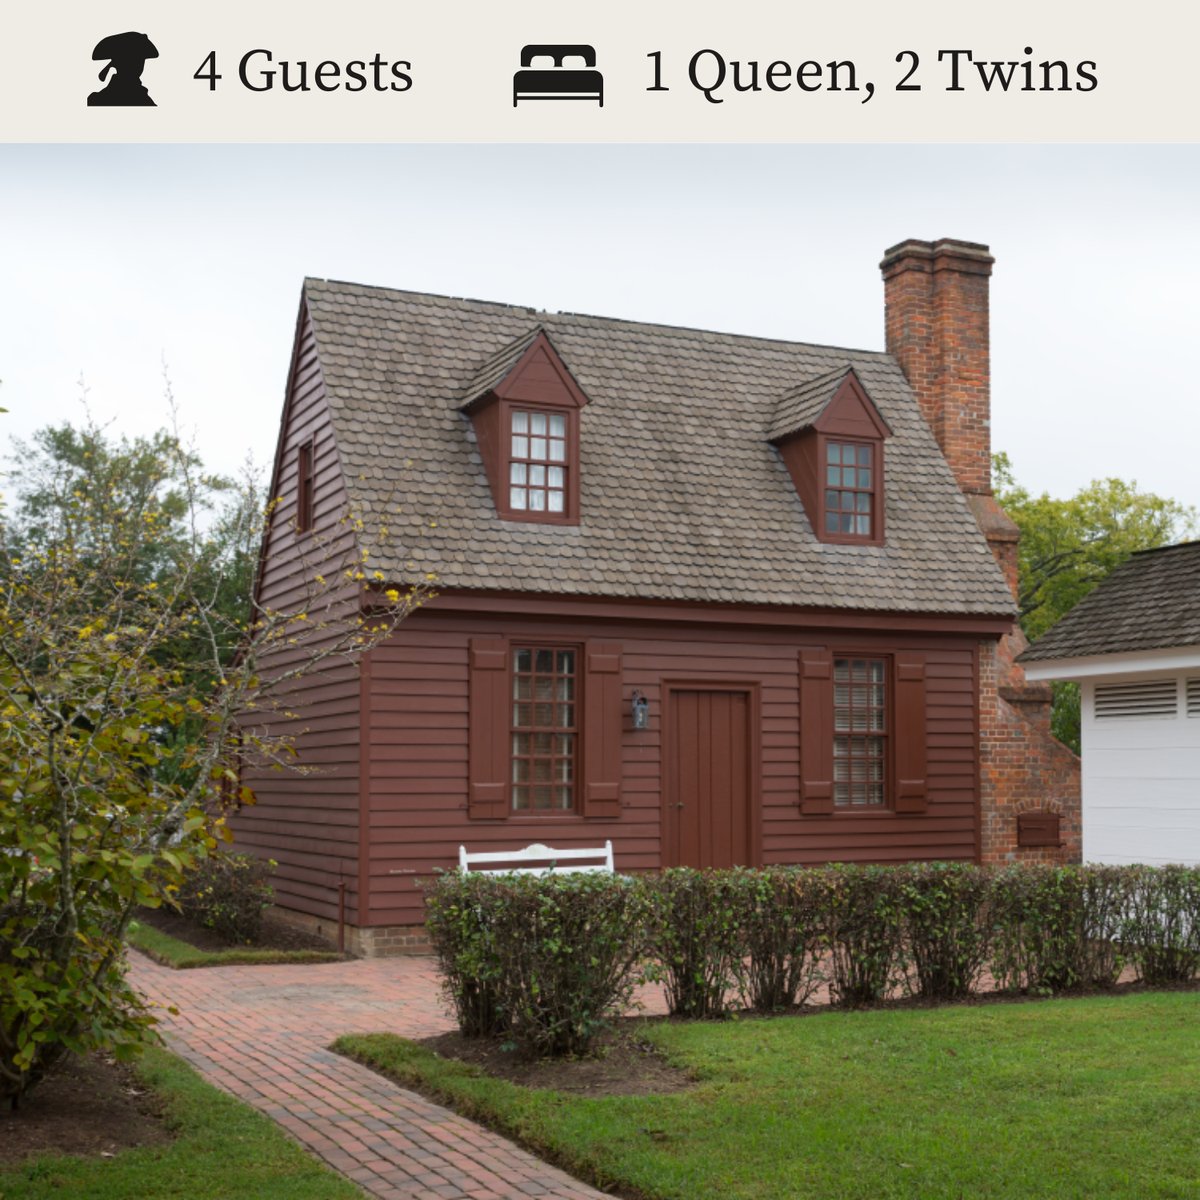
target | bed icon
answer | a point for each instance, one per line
(558, 82)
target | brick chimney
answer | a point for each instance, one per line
(937, 329)
(936, 314)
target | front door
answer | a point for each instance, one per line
(707, 818)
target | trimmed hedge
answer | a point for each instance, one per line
(548, 962)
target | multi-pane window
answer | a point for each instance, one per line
(544, 728)
(538, 463)
(859, 732)
(849, 489)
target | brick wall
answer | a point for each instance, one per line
(936, 319)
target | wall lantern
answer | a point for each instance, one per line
(641, 711)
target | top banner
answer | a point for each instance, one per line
(374, 71)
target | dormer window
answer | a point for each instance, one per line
(537, 471)
(524, 406)
(831, 437)
(849, 489)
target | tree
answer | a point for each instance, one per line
(1069, 546)
(129, 654)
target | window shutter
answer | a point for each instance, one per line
(912, 789)
(602, 724)
(816, 731)
(488, 721)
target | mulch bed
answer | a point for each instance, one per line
(276, 934)
(622, 1065)
(94, 1107)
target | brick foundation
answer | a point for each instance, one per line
(381, 941)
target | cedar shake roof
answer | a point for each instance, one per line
(800, 406)
(1151, 602)
(683, 497)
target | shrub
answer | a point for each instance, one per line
(1059, 927)
(457, 907)
(556, 956)
(862, 924)
(780, 958)
(1161, 930)
(945, 926)
(228, 893)
(695, 938)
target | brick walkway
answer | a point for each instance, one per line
(262, 1032)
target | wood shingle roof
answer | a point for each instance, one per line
(683, 497)
(1151, 602)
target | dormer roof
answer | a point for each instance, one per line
(802, 407)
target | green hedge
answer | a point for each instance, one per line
(548, 962)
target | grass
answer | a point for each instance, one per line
(223, 1149)
(172, 952)
(1065, 1098)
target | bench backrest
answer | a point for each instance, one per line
(550, 859)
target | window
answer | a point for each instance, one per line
(1193, 697)
(304, 487)
(538, 463)
(849, 489)
(544, 728)
(860, 732)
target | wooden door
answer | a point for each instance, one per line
(708, 804)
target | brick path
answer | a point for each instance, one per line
(261, 1033)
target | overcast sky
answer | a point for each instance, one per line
(118, 259)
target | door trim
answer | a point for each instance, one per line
(754, 800)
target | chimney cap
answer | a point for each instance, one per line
(945, 253)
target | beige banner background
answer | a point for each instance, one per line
(463, 56)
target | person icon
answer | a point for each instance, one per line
(127, 54)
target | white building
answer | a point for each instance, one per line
(1133, 645)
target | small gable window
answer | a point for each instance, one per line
(304, 487)
(849, 488)
(538, 465)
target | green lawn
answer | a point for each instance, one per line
(172, 952)
(1096, 1097)
(224, 1151)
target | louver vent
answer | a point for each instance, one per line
(1193, 697)
(1151, 698)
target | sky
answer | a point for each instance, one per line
(126, 266)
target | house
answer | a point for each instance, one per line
(722, 599)
(1133, 646)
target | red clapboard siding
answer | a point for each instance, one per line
(418, 733)
(308, 823)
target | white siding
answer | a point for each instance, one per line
(1141, 779)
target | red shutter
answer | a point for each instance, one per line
(816, 731)
(602, 724)
(912, 789)
(488, 723)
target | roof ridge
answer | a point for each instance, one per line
(659, 325)
(1193, 542)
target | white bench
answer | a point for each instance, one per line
(539, 853)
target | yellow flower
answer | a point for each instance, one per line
(392, 595)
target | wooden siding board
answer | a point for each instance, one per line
(418, 776)
(308, 823)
